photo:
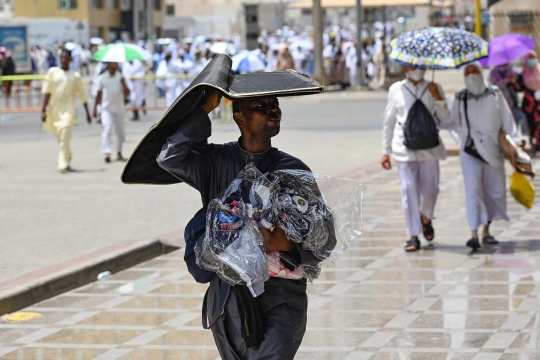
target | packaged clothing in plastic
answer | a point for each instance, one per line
(320, 213)
(522, 189)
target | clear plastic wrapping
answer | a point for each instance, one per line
(320, 213)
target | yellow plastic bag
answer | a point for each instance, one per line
(522, 189)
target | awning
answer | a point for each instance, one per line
(352, 3)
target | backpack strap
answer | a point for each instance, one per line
(413, 94)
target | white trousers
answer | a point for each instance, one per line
(112, 122)
(137, 93)
(352, 76)
(419, 190)
(485, 191)
(63, 136)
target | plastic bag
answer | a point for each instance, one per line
(522, 189)
(320, 213)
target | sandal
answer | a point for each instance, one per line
(427, 230)
(412, 245)
(474, 244)
(489, 240)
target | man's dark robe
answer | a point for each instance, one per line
(210, 168)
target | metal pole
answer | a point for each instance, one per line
(135, 20)
(318, 72)
(150, 19)
(359, 26)
(478, 20)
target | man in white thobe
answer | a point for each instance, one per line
(350, 62)
(169, 70)
(418, 170)
(131, 69)
(110, 96)
(61, 86)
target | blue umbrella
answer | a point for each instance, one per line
(438, 48)
(247, 62)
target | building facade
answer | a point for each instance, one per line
(107, 19)
(516, 16)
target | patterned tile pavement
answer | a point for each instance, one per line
(376, 303)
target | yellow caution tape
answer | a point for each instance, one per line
(145, 77)
(21, 316)
(22, 77)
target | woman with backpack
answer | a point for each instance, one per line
(410, 133)
(478, 114)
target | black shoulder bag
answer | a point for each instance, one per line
(470, 147)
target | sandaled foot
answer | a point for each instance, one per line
(427, 229)
(107, 159)
(474, 244)
(412, 245)
(489, 240)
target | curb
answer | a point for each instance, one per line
(42, 284)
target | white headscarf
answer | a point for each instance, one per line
(475, 83)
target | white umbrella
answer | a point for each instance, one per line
(120, 52)
(70, 45)
(247, 62)
(278, 46)
(223, 48)
(306, 45)
(96, 41)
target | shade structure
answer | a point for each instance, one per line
(438, 48)
(507, 48)
(247, 62)
(142, 167)
(121, 52)
(303, 4)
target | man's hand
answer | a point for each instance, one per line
(212, 100)
(95, 113)
(385, 162)
(276, 240)
(88, 118)
(43, 116)
(434, 90)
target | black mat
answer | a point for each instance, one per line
(142, 167)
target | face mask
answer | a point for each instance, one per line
(475, 84)
(532, 62)
(416, 74)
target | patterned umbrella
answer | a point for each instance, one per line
(438, 48)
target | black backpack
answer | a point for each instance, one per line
(420, 129)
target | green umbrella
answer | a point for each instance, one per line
(120, 52)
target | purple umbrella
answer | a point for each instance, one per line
(507, 48)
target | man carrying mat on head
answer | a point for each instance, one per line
(210, 168)
(272, 325)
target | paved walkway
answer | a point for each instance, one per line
(377, 302)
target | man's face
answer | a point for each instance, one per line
(259, 117)
(65, 59)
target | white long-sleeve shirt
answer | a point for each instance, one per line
(400, 100)
(487, 116)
